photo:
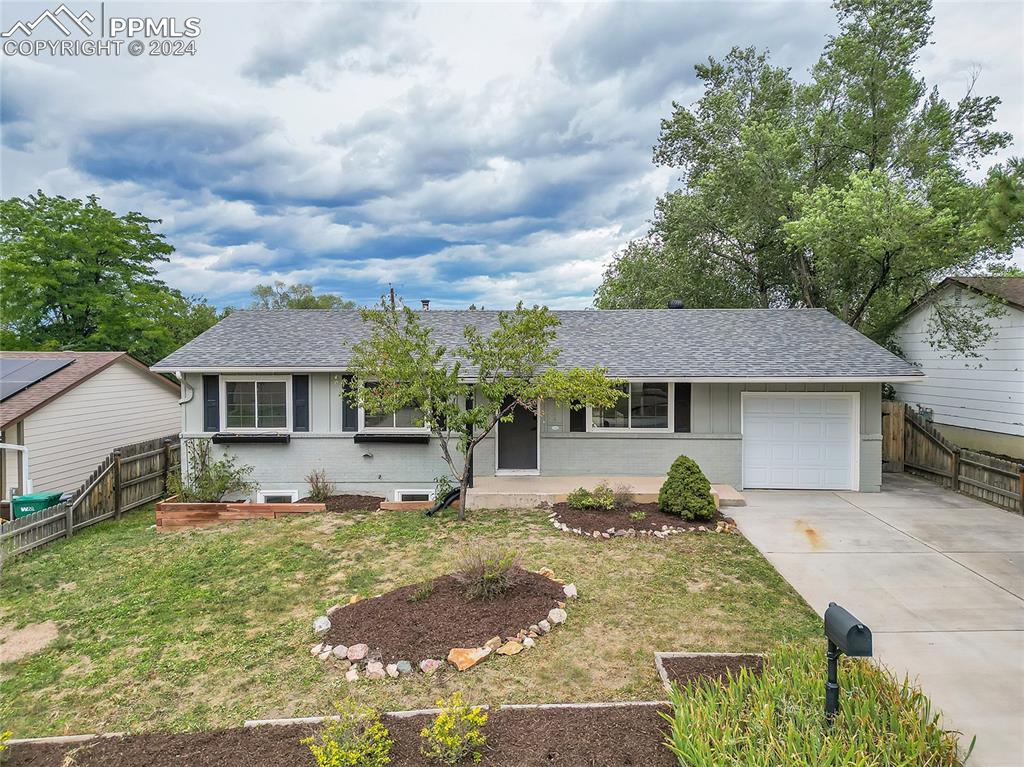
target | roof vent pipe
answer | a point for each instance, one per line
(426, 304)
(676, 303)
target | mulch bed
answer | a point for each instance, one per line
(398, 626)
(597, 520)
(685, 669)
(626, 735)
(341, 503)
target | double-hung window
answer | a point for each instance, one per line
(644, 406)
(260, 403)
(405, 419)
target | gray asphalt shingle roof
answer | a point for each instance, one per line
(671, 343)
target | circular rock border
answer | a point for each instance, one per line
(359, 662)
(725, 526)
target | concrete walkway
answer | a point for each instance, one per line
(939, 579)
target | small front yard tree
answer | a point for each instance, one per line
(463, 393)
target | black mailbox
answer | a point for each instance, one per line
(846, 635)
(851, 636)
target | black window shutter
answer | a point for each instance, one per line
(577, 419)
(349, 411)
(682, 408)
(300, 403)
(211, 403)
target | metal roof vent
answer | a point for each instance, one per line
(676, 303)
(425, 302)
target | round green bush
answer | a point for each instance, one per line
(687, 492)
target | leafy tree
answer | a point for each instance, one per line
(463, 393)
(849, 192)
(77, 276)
(297, 296)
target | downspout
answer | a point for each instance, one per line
(26, 482)
(187, 392)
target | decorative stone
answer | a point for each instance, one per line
(340, 651)
(557, 615)
(316, 650)
(702, 529)
(596, 534)
(391, 670)
(534, 629)
(569, 590)
(544, 626)
(430, 665)
(357, 652)
(510, 648)
(547, 572)
(332, 610)
(325, 655)
(493, 643)
(355, 598)
(321, 624)
(403, 667)
(374, 671)
(466, 657)
(352, 674)
(605, 535)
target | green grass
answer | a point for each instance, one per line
(203, 629)
(776, 719)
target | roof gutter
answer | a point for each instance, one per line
(690, 379)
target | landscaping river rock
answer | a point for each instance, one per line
(636, 520)
(415, 626)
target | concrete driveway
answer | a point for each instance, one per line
(937, 577)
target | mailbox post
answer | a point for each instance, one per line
(846, 635)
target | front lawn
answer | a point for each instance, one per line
(205, 629)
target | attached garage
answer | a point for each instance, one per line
(801, 441)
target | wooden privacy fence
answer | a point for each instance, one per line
(131, 476)
(909, 443)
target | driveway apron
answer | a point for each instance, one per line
(937, 576)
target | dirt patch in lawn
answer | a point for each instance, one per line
(16, 644)
(690, 668)
(621, 736)
(597, 520)
(413, 623)
(342, 503)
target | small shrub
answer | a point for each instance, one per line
(442, 486)
(638, 516)
(456, 734)
(623, 496)
(580, 498)
(601, 497)
(319, 488)
(357, 739)
(207, 480)
(424, 590)
(777, 718)
(487, 574)
(687, 492)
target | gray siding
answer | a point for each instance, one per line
(715, 443)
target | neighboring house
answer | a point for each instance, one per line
(71, 409)
(976, 402)
(759, 398)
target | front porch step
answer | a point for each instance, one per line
(521, 497)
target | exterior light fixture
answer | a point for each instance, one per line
(846, 636)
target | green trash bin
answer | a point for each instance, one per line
(23, 505)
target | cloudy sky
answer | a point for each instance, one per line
(464, 153)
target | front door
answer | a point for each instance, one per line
(517, 443)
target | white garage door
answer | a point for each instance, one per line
(800, 441)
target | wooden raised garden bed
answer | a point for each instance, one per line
(171, 515)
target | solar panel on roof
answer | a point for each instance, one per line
(20, 373)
